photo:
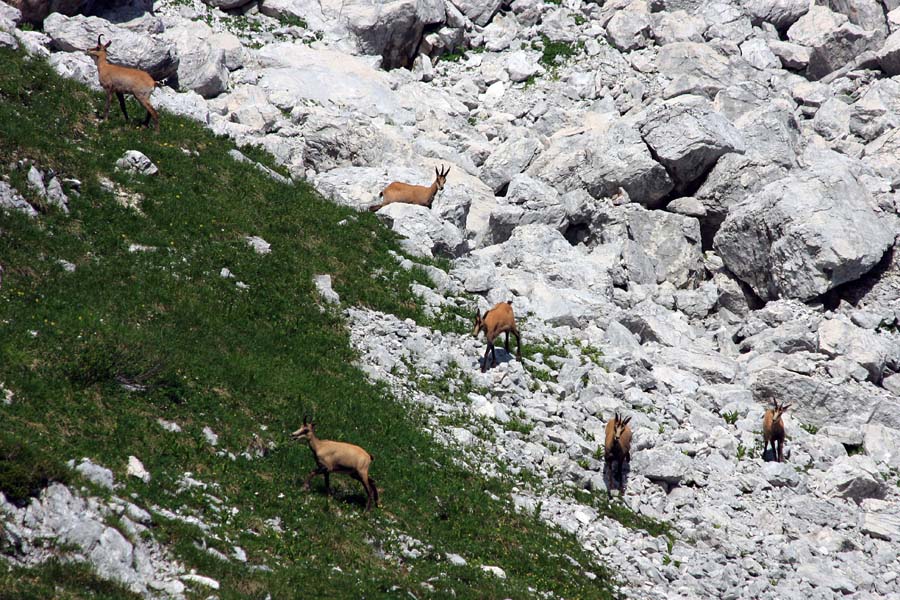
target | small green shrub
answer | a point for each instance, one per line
(730, 417)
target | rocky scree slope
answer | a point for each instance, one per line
(692, 203)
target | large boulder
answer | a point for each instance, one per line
(852, 477)
(815, 401)
(425, 234)
(201, 66)
(479, 11)
(35, 11)
(509, 159)
(664, 464)
(832, 39)
(392, 30)
(693, 68)
(671, 241)
(295, 74)
(805, 234)
(866, 348)
(152, 53)
(629, 29)
(688, 136)
(559, 283)
(780, 13)
(882, 444)
(868, 14)
(605, 154)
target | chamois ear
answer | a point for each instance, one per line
(784, 407)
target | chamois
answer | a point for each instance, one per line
(119, 80)
(773, 429)
(338, 457)
(498, 320)
(412, 194)
(617, 448)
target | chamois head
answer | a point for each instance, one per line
(479, 322)
(308, 429)
(98, 51)
(440, 177)
(619, 427)
(778, 410)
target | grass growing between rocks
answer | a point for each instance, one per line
(96, 356)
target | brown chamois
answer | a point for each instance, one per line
(618, 449)
(119, 80)
(338, 457)
(412, 194)
(773, 429)
(498, 320)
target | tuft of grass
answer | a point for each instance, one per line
(25, 471)
(731, 417)
(809, 428)
(518, 423)
(95, 357)
(552, 53)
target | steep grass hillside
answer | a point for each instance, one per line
(96, 356)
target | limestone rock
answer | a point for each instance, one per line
(804, 234)
(151, 53)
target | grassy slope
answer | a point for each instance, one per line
(235, 360)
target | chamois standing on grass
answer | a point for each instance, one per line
(119, 80)
(412, 194)
(773, 429)
(617, 449)
(338, 457)
(498, 320)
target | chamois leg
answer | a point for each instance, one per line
(371, 492)
(780, 450)
(493, 356)
(374, 489)
(518, 344)
(506, 343)
(484, 362)
(608, 477)
(327, 483)
(108, 100)
(151, 113)
(619, 465)
(121, 98)
(313, 473)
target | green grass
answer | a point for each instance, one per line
(195, 349)
(60, 581)
(25, 470)
(809, 428)
(552, 53)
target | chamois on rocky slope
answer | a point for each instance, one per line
(119, 80)
(498, 320)
(338, 457)
(617, 449)
(773, 429)
(412, 194)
